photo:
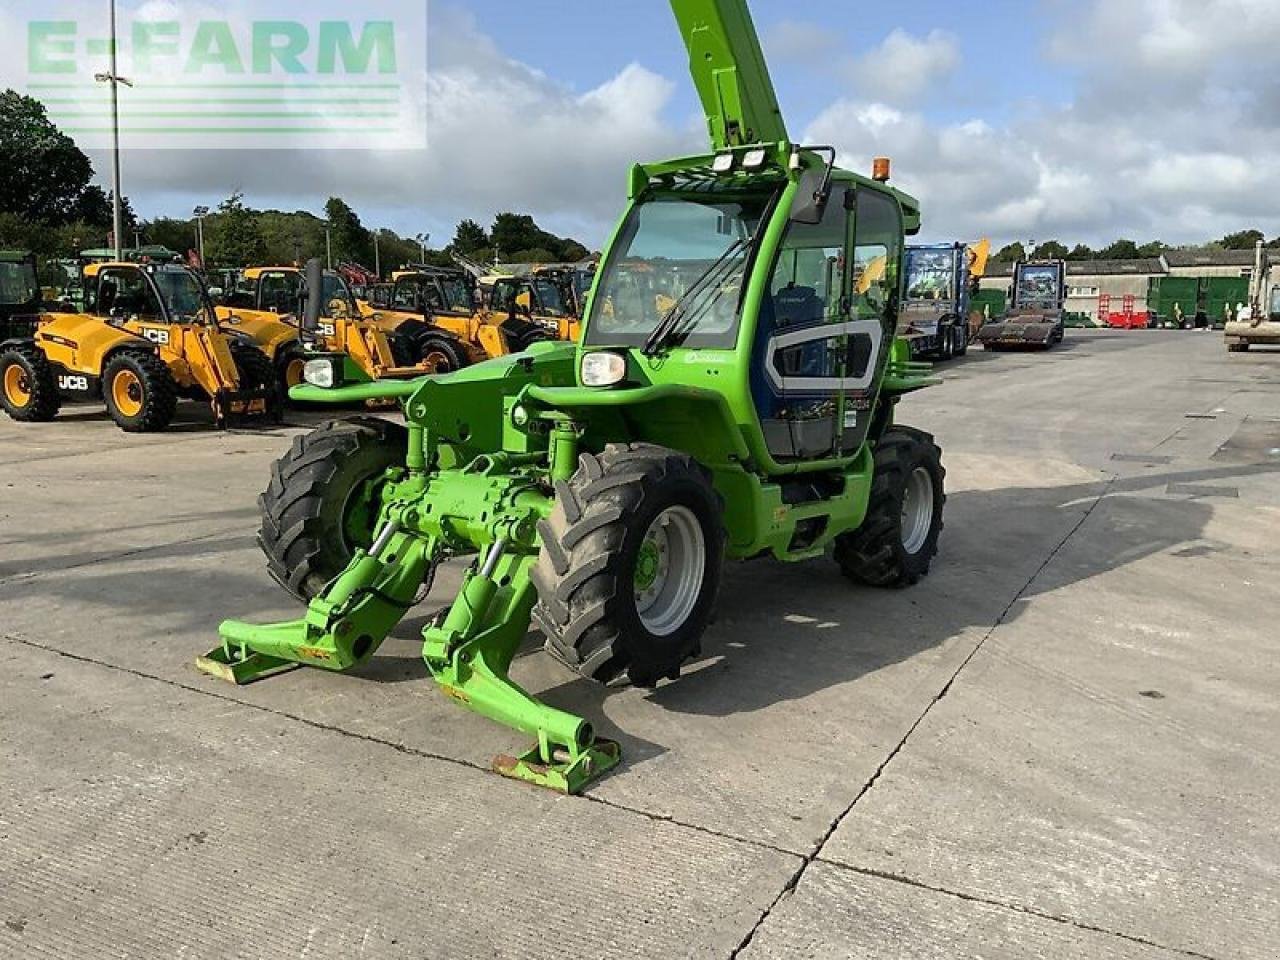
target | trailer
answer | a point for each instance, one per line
(1036, 318)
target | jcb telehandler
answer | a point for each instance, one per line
(268, 305)
(147, 337)
(602, 485)
(423, 301)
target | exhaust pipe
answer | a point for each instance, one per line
(315, 292)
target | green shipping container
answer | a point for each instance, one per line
(995, 300)
(1222, 294)
(1167, 294)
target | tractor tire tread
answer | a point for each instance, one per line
(45, 401)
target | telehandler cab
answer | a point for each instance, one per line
(147, 336)
(600, 486)
(19, 292)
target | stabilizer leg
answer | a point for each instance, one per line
(343, 627)
(470, 655)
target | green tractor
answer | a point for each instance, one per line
(732, 395)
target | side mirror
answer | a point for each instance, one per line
(812, 196)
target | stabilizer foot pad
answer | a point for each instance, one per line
(568, 776)
(256, 666)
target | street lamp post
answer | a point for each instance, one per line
(423, 240)
(114, 78)
(200, 213)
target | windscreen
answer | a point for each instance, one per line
(1038, 287)
(183, 296)
(550, 303)
(931, 275)
(680, 249)
(457, 295)
(17, 284)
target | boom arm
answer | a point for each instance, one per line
(730, 72)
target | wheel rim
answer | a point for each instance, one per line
(16, 386)
(359, 515)
(293, 372)
(670, 567)
(126, 393)
(438, 361)
(917, 510)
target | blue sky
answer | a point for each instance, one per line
(1002, 44)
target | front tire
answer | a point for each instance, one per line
(28, 388)
(140, 392)
(289, 365)
(898, 539)
(630, 564)
(324, 498)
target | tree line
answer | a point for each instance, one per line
(1123, 249)
(48, 204)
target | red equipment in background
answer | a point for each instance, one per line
(1128, 319)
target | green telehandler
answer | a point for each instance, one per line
(731, 395)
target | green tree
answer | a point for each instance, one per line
(177, 235)
(232, 236)
(1050, 250)
(1120, 250)
(1011, 253)
(1082, 252)
(469, 239)
(351, 241)
(1153, 249)
(1244, 240)
(45, 173)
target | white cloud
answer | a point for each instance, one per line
(1173, 132)
(903, 67)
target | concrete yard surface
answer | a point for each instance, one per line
(1065, 742)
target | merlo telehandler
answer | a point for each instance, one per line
(147, 337)
(600, 486)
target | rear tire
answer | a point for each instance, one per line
(323, 500)
(1237, 348)
(415, 343)
(962, 340)
(630, 564)
(28, 388)
(898, 538)
(257, 372)
(140, 392)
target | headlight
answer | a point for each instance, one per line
(322, 372)
(603, 369)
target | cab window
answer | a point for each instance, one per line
(877, 258)
(125, 294)
(278, 292)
